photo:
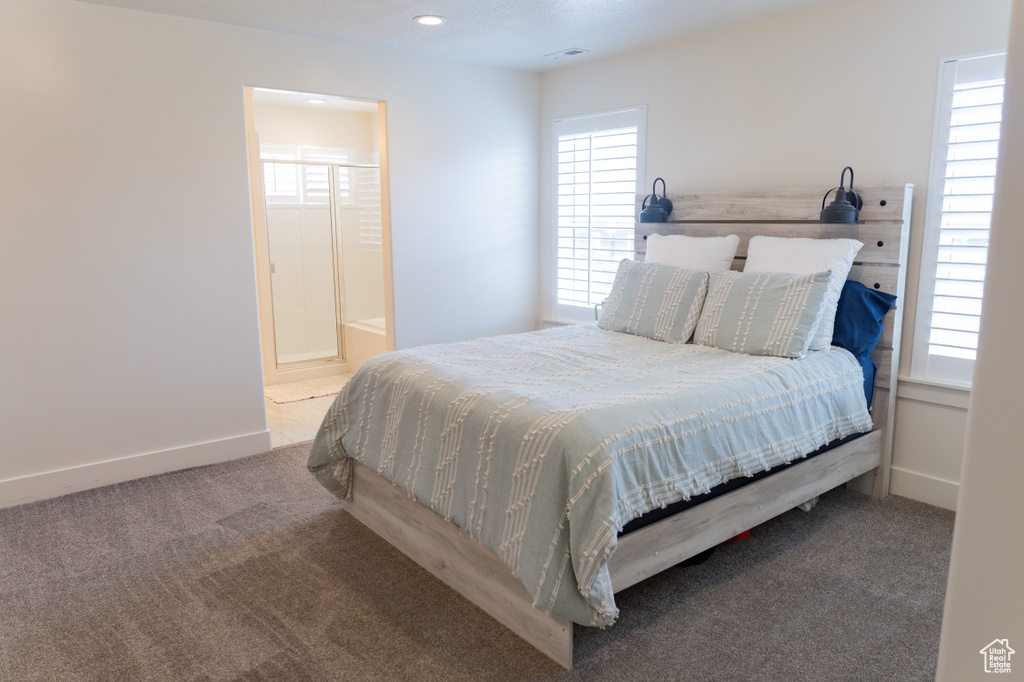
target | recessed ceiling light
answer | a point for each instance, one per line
(429, 19)
(317, 101)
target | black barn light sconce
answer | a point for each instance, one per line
(659, 208)
(845, 208)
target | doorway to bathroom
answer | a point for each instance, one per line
(317, 167)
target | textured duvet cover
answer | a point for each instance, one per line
(543, 445)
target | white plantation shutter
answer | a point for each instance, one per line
(300, 183)
(959, 213)
(280, 180)
(368, 189)
(315, 185)
(597, 162)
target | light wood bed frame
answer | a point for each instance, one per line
(465, 565)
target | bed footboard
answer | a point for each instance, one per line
(469, 568)
(454, 557)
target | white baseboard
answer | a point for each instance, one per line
(923, 488)
(49, 484)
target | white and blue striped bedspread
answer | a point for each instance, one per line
(543, 445)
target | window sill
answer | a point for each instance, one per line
(946, 393)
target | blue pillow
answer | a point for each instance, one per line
(858, 327)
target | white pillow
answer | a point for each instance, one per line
(800, 256)
(710, 254)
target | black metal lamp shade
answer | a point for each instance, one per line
(845, 208)
(659, 208)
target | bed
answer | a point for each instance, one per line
(564, 545)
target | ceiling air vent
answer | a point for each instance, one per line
(565, 54)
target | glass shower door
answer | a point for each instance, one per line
(360, 229)
(303, 262)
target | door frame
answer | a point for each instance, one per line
(299, 371)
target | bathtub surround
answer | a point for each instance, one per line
(364, 339)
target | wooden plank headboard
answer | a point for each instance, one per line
(883, 228)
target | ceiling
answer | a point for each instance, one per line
(504, 33)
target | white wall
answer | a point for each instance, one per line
(130, 337)
(985, 595)
(316, 127)
(787, 102)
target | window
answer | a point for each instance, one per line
(280, 180)
(368, 189)
(316, 187)
(597, 165)
(957, 217)
(303, 178)
(302, 183)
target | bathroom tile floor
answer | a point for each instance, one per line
(296, 422)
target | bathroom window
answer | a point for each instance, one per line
(315, 184)
(367, 183)
(304, 183)
(280, 180)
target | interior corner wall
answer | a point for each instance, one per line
(788, 102)
(130, 336)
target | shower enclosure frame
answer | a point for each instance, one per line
(273, 372)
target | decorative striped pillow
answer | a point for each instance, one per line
(661, 302)
(804, 256)
(762, 313)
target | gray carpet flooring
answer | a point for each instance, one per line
(250, 571)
